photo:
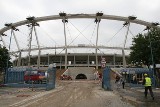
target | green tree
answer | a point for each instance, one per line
(4, 59)
(142, 45)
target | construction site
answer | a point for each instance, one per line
(72, 75)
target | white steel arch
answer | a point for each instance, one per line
(98, 16)
(74, 16)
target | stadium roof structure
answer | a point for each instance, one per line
(33, 22)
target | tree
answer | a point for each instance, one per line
(4, 59)
(142, 45)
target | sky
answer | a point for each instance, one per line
(78, 31)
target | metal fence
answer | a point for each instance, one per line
(15, 78)
(106, 79)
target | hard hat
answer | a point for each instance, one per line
(145, 74)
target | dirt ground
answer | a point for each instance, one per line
(66, 94)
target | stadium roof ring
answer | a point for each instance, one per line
(64, 17)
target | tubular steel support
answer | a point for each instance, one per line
(64, 21)
(29, 50)
(39, 52)
(32, 24)
(128, 25)
(19, 57)
(123, 53)
(97, 20)
(30, 20)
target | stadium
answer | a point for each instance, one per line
(69, 53)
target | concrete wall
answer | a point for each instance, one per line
(88, 71)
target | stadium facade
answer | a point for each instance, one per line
(74, 60)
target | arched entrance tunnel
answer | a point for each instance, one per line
(81, 76)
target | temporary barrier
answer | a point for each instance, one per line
(134, 76)
(51, 78)
(106, 79)
(15, 77)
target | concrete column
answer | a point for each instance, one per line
(48, 59)
(60, 62)
(19, 59)
(74, 60)
(124, 59)
(88, 60)
(114, 60)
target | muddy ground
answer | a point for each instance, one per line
(66, 94)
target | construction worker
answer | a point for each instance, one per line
(147, 82)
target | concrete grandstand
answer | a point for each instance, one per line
(74, 60)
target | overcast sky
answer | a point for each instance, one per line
(50, 33)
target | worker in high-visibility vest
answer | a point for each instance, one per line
(147, 82)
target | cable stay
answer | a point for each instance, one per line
(131, 34)
(21, 40)
(61, 51)
(70, 35)
(84, 35)
(80, 32)
(93, 31)
(49, 36)
(115, 34)
(93, 34)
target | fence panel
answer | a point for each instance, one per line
(106, 79)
